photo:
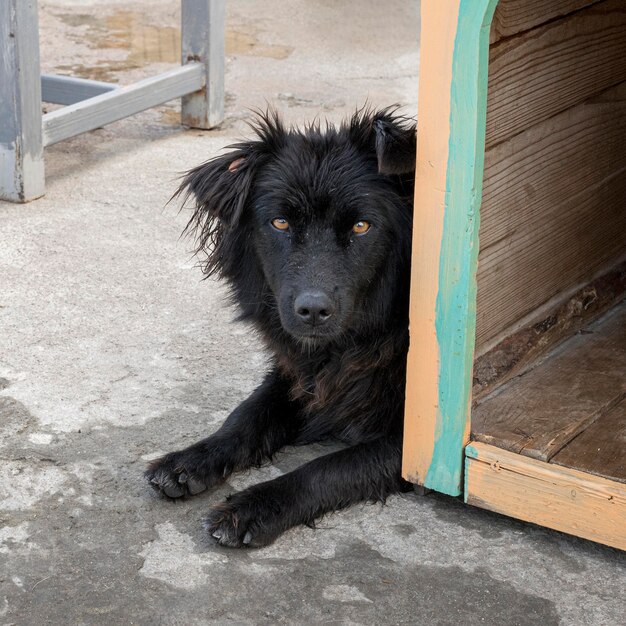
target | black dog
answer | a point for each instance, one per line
(312, 230)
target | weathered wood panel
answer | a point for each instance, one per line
(21, 148)
(601, 449)
(557, 497)
(550, 68)
(539, 413)
(552, 215)
(71, 89)
(516, 16)
(119, 103)
(449, 173)
(437, 45)
(202, 35)
(519, 351)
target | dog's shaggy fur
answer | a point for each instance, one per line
(312, 230)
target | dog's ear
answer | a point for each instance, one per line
(221, 186)
(221, 190)
(396, 143)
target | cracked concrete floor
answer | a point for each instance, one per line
(113, 350)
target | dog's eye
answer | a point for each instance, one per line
(280, 223)
(361, 227)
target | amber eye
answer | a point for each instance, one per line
(280, 223)
(361, 227)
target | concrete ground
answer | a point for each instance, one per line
(112, 351)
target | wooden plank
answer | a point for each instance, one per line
(548, 69)
(521, 350)
(531, 172)
(552, 214)
(202, 34)
(115, 105)
(70, 89)
(539, 413)
(557, 497)
(443, 279)
(21, 148)
(601, 449)
(515, 16)
(511, 287)
(438, 30)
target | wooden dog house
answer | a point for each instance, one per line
(516, 383)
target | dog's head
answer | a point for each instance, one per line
(311, 227)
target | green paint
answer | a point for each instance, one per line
(465, 490)
(471, 452)
(456, 299)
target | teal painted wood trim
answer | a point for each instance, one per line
(456, 298)
(471, 452)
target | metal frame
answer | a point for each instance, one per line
(24, 131)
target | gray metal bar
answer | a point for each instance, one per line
(21, 148)
(112, 106)
(203, 42)
(68, 89)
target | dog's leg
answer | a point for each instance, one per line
(255, 430)
(256, 516)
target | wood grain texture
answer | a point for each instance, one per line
(550, 68)
(71, 89)
(438, 30)
(114, 105)
(449, 175)
(557, 497)
(539, 413)
(519, 351)
(515, 16)
(21, 149)
(202, 39)
(552, 215)
(601, 448)
(455, 312)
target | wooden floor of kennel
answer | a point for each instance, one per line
(516, 382)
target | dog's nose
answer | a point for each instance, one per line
(313, 307)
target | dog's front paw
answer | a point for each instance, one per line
(185, 473)
(247, 519)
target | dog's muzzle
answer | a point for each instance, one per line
(313, 308)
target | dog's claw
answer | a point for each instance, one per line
(243, 521)
(176, 486)
(173, 491)
(195, 486)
